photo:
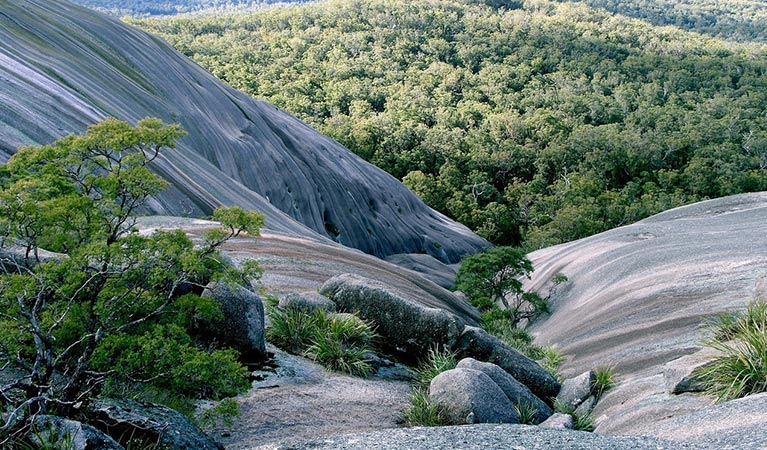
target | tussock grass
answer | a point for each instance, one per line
(605, 381)
(741, 370)
(526, 413)
(422, 412)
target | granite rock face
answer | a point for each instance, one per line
(307, 301)
(57, 430)
(64, 67)
(471, 396)
(639, 297)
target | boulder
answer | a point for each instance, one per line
(679, 375)
(517, 392)
(577, 389)
(14, 257)
(243, 322)
(70, 434)
(586, 406)
(407, 328)
(470, 396)
(478, 344)
(307, 301)
(559, 421)
(149, 423)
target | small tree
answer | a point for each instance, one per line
(112, 306)
(494, 276)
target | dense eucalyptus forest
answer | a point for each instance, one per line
(534, 124)
(172, 7)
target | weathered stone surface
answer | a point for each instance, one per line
(638, 296)
(478, 344)
(586, 406)
(559, 421)
(577, 389)
(238, 151)
(243, 322)
(517, 392)
(150, 422)
(56, 431)
(678, 374)
(14, 257)
(406, 326)
(470, 396)
(428, 266)
(308, 301)
(483, 437)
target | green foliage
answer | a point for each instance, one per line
(741, 369)
(532, 126)
(437, 361)
(338, 342)
(493, 276)
(343, 345)
(224, 411)
(583, 422)
(605, 381)
(108, 312)
(526, 413)
(422, 412)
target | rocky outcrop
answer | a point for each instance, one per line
(483, 437)
(639, 296)
(407, 328)
(242, 324)
(471, 396)
(517, 393)
(478, 344)
(53, 431)
(679, 375)
(577, 389)
(65, 67)
(307, 301)
(559, 421)
(149, 423)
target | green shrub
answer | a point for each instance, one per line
(342, 344)
(582, 422)
(741, 370)
(338, 342)
(605, 380)
(293, 329)
(526, 413)
(422, 412)
(436, 362)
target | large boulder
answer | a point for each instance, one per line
(149, 423)
(517, 392)
(559, 421)
(577, 389)
(408, 328)
(14, 257)
(70, 434)
(470, 396)
(427, 266)
(243, 318)
(478, 344)
(307, 301)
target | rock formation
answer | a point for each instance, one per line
(64, 67)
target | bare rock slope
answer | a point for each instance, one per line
(639, 295)
(64, 67)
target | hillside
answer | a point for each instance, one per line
(638, 299)
(739, 20)
(65, 67)
(138, 8)
(537, 125)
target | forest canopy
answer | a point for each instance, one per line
(532, 126)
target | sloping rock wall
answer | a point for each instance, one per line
(64, 67)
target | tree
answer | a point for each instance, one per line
(494, 276)
(111, 306)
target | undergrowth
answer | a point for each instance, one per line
(339, 342)
(741, 369)
(422, 412)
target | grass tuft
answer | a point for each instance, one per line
(526, 413)
(605, 381)
(741, 370)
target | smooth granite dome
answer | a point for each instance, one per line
(64, 67)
